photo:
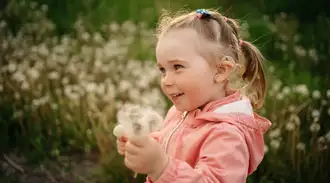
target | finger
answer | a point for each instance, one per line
(120, 144)
(120, 147)
(121, 152)
(139, 141)
(134, 162)
(122, 139)
(132, 149)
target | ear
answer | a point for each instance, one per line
(224, 69)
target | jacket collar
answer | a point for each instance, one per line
(225, 109)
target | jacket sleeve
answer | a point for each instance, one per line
(223, 158)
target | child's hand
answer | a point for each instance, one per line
(145, 155)
(121, 142)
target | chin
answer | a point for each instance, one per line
(184, 108)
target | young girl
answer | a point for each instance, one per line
(214, 80)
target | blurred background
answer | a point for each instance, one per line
(67, 66)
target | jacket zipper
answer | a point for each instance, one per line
(172, 132)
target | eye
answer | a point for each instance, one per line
(162, 70)
(178, 66)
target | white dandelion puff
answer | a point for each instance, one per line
(315, 127)
(301, 146)
(302, 89)
(137, 120)
(290, 126)
(54, 75)
(275, 133)
(275, 144)
(315, 113)
(316, 94)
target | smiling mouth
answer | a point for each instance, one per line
(177, 94)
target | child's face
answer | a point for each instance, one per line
(187, 77)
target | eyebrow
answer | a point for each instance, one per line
(174, 60)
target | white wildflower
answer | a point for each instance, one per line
(33, 73)
(295, 119)
(129, 26)
(315, 113)
(54, 106)
(97, 37)
(313, 54)
(65, 80)
(286, 90)
(85, 36)
(97, 63)
(25, 86)
(59, 49)
(300, 51)
(91, 87)
(276, 85)
(12, 67)
(19, 76)
(54, 75)
(301, 146)
(290, 126)
(72, 95)
(36, 102)
(275, 133)
(316, 94)
(43, 50)
(279, 96)
(328, 93)
(100, 90)
(302, 89)
(292, 108)
(144, 81)
(44, 8)
(275, 144)
(114, 27)
(315, 127)
(124, 85)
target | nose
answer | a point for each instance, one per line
(167, 80)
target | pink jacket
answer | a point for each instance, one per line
(222, 143)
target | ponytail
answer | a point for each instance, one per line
(254, 74)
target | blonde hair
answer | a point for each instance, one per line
(223, 32)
